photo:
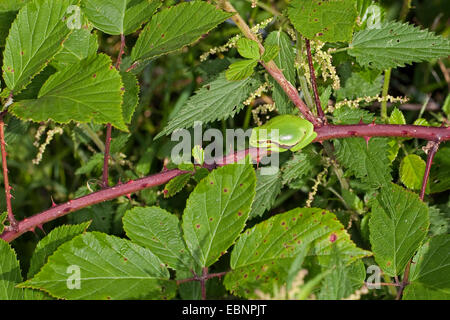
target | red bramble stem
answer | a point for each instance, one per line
(11, 219)
(314, 83)
(106, 156)
(432, 147)
(104, 195)
(437, 134)
(108, 126)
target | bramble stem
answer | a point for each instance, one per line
(432, 148)
(121, 51)
(437, 134)
(106, 157)
(270, 66)
(55, 212)
(202, 279)
(402, 285)
(314, 82)
(11, 219)
(118, 190)
(203, 282)
(108, 126)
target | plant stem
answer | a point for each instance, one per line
(437, 134)
(106, 157)
(387, 79)
(405, 9)
(121, 51)
(12, 220)
(203, 282)
(108, 126)
(402, 285)
(55, 212)
(100, 145)
(383, 284)
(122, 189)
(270, 66)
(329, 150)
(432, 148)
(248, 115)
(268, 8)
(324, 133)
(314, 83)
(340, 50)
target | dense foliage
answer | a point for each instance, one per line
(96, 207)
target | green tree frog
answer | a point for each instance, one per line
(282, 133)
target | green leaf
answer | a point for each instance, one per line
(439, 220)
(12, 5)
(86, 91)
(399, 223)
(412, 170)
(343, 280)
(3, 217)
(48, 245)
(103, 267)
(367, 161)
(131, 95)
(35, 37)
(440, 171)
(300, 165)
(267, 189)
(176, 185)
(395, 44)
(217, 100)
(198, 154)
(80, 45)
(358, 86)
(285, 61)
(446, 106)
(119, 16)
(397, 117)
(160, 231)
(267, 250)
(10, 273)
(190, 290)
(240, 70)
(32, 89)
(330, 21)
(217, 210)
(270, 53)
(100, 214)
(176, 27)
(347, 115)
(429, 271)
(421, 122)
(94, 163)
(248, 48)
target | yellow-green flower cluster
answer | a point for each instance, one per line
(257, 93)
(324, 60)
(42, 147)
(355, 103)
(231, 43)
(262, 109)
(317, 182)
